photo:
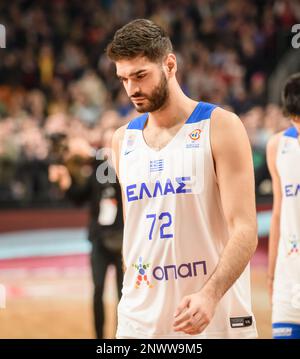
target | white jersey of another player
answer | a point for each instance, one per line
(286, 290)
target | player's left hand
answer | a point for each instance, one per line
(194, 313)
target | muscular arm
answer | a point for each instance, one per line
(275, 222)
(235, 176)
(116, 148)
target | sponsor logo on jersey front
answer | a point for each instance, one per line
(127, 152)
(167, 272)
(142, 276)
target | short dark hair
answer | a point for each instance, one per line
(291, 95)
(139, 37)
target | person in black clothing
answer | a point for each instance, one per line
(106, 218)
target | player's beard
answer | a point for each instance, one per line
(156, 99)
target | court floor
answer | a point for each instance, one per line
(51, 297)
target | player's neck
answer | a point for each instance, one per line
(176, 110)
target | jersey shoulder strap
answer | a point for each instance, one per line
(138, 123)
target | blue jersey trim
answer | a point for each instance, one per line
(201, 112)
(138, 123)
(291, 132)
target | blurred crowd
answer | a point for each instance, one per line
(57, 86)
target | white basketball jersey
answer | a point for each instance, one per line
(174, 233)
(286, 295)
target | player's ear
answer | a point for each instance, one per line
(170, 64)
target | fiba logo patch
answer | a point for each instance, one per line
(195, 135)
(193, 139)
(142, 275)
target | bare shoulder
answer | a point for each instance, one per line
(117, 145)
(273, 142)
(225, 120)
(118, 139)
(119, 133)
(227, 133)
(272, 148)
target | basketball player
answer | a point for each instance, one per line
(186, 173)
(283, 155)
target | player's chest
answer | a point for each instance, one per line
(157, 139)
